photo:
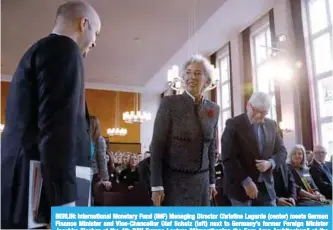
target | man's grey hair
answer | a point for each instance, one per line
(319, 148)
(260, 100)
(295, 149)
(207, 67)
(72, 10)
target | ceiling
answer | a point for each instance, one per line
(137, 38)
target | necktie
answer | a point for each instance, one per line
(327, 171)
(259, 135)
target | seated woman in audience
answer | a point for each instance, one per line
(130, 175)
(124, 163)
(111, 168)
(99, 163)
(306, 188)
(118, 158)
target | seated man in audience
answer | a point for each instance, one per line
(285, 186)
(321, 173)
(309, 157)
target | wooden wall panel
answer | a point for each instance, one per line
(101, 103)
(4, 93)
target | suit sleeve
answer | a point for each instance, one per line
(280, 152)
(59, 93)
(212, 155)
(101, 158)
(158, 146)
(231, 164)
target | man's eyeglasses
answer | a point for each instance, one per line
(257, 111)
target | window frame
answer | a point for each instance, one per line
(315, 78)
(262, 26)
(223, 53)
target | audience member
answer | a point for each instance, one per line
(130, 175)
(307, 189)
(309, 157)
(320, 173)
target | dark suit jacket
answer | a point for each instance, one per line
(45, 120)
(240, 150)
(321, 180)
(284, 182)
(144, 172)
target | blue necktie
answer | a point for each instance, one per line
(328, 173)
(259, 135)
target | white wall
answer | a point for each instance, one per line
(289, 104)
(237, 72)
(150, 103)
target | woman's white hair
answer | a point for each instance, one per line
(260, 100)
(207, 67)
(295, 149)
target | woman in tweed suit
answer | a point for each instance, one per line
(183, 144)
(99, 162)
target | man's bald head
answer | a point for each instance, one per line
(81, 20)
(73, 10)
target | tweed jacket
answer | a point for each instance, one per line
(184, 137)
(99, 163)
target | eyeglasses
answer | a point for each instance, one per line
(257, 111)
(195, 74)
(320, 152)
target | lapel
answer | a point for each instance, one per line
(320, 167)
(201, 115)
(283, 170)
(249, 133)
(207, 119)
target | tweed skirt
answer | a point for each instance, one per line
(186, 189)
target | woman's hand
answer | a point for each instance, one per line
(157, 197)
(212, 193)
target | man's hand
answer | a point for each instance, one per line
(284, 202)
(251, 190)
(107, 185)
(263, 165)
(157, 197)
(212, 192)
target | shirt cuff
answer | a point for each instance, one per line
(72, 204)
(273, 163)
(212, 185)
(247, 181)
(157, 188)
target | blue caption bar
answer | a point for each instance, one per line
(192, 218)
